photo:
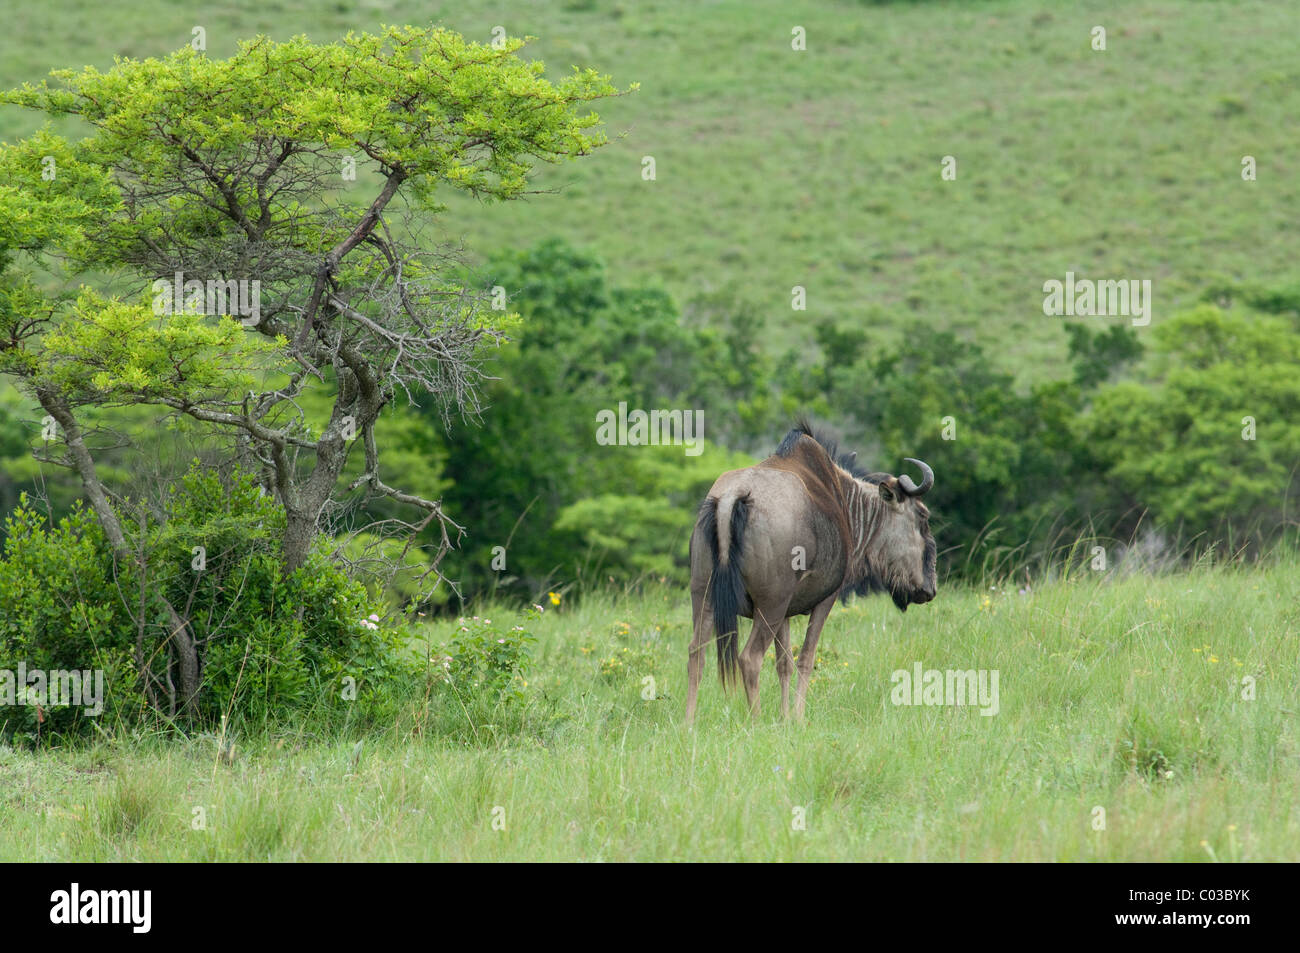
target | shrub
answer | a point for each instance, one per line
(488, 661)
(63, 611)
(476, 681)
(1207, 438)
(270, 644)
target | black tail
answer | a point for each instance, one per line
(726, 588)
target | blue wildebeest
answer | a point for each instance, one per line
(787, 537)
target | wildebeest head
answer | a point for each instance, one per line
(901, 554)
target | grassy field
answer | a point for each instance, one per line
(1124, 695)
(1138, 719)
(821, 168)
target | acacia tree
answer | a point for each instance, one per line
(255, 169)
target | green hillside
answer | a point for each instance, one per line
(821, 168)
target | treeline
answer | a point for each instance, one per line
(1185, 434)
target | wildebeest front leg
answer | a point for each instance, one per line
(767, 620)
(808, 651)
(784, 664)
(702, 616)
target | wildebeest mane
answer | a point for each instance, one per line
(844, 461)
(868, 582)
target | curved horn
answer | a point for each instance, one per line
(927, 479)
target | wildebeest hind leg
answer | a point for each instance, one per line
(808, 651)
(784, 664)
(702, 617)
(767, 620)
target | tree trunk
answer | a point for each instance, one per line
(299, 532)
(187, 655)
(82, 461)
(308, 499)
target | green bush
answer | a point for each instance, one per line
(475, 684)
(1208, 437)
(270, 645)
(63, 611)
(489, 662)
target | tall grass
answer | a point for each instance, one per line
(1117, 695)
